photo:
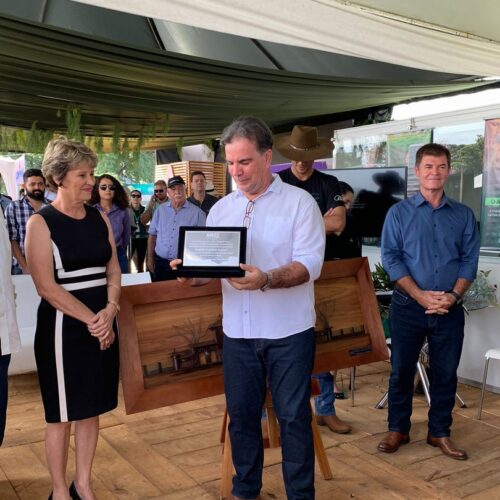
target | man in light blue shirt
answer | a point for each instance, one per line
(163, 237)
(430, 249)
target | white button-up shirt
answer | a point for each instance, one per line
(284, 226)
(10, 340)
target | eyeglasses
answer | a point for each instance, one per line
(135, 195)
(103, 187)
(247, 219)
(159, 191)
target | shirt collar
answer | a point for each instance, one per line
(169, 203)
(275, 187)
(420, 200)
(25, 199)
(112, 209)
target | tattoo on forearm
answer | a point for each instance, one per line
(292, 274)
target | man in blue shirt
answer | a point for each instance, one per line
(163, 237)
(430, 249)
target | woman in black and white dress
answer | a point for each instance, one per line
(72, 258)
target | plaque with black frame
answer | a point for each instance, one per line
(211, 252)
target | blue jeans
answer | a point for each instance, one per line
(286, 364)
(324, 404)
(121, 253)
(445, 333)
(4, 390)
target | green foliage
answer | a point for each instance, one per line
(468, 158)
(126, 163)
(381, 279)
(129, 167)
(73, 120)
(29, 141)
(179, 145)
(481, 293)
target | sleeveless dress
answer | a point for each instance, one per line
(77, 379)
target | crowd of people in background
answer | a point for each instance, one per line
(130, 220)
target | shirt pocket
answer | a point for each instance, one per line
(277, 229)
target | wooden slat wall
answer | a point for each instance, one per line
(214, 172)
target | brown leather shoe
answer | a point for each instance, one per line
(447, 447)
(334, 424)
(392, 441)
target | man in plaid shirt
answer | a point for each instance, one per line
(18, 213)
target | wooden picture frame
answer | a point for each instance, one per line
(171, 334)
(347, 314)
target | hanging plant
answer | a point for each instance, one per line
(166, 125)
(179, 145)
(98, 143)
(116, 142)
(73, 119)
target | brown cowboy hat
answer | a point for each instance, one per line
(303, 144)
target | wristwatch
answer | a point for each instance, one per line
(458, 297)
(268, 282)
(117, 306)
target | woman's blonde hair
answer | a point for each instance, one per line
(61, 155)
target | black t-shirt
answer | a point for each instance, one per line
(325, 189)
(207, 203)
(345, 246)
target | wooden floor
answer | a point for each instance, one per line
(174, 453)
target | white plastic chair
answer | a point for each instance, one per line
(491, 354)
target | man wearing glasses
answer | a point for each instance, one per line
(159, 197)
(268, 315)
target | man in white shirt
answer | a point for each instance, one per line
(9, 334)
(268, 315)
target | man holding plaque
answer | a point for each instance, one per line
(302, 147)
(268, 314)
(163, 240)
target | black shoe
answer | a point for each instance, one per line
(73, 493)
(50, 496)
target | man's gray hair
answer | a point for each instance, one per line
(249, 127)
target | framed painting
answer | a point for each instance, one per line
(171, 334)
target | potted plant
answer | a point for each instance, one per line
(383, 288)
(481, 293)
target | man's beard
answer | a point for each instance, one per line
(36, 194)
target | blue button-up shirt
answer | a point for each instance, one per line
(435, 246)
(166, 223)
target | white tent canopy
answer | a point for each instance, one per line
(457, 36)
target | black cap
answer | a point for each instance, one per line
(175, 180)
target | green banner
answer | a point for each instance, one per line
(490, 212)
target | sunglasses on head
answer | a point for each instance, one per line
(103, 187)
(135, 195)
(159, 190)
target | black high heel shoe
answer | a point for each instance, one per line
(73, 493)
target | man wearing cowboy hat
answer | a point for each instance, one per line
(303, 146)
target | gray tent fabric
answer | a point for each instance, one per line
(44, 68)
(370, 29)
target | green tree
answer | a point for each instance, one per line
(128, 167)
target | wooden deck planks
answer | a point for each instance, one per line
(174, 453)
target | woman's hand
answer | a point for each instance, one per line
(100, 325)
(106, 341)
